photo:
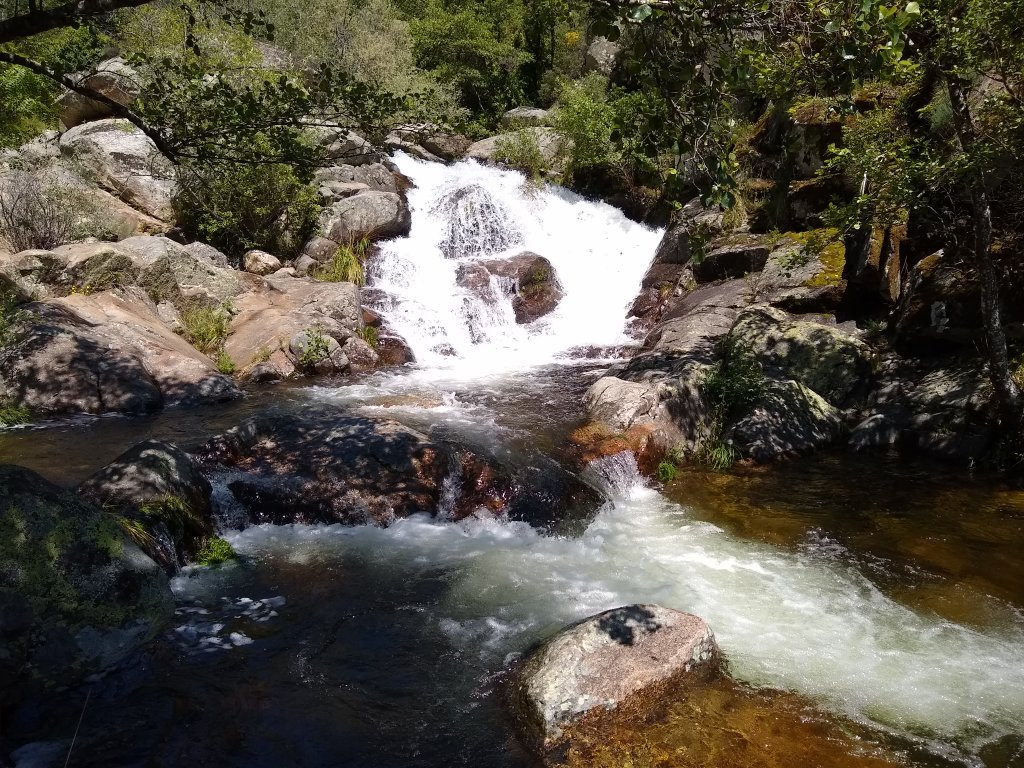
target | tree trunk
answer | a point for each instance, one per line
(1008, 394)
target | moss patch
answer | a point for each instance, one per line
(826, 246)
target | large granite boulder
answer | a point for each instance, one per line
(77, 595)
(162, 488)
(601, 56)
(833, 363)
(324, 467)
(112, 78)
(548, 141)
(527, 278)
(628, 654)
(789, 419)
(377, 215)
(122, 159)
(266, 319)
(104, 352)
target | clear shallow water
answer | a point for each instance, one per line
(385, 646)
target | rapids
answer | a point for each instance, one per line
(331, 645)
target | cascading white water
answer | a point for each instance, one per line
(466, 212)
(809, 622)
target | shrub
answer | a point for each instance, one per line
(206, 328)
(732, 386)
(586, 120)
(243, 207)
(9, 317)
(520, 151)
(216, 551)
(317, 348)
(12, 414)
(667, 471)
(369, 335)
(35, 213)
(346, 266)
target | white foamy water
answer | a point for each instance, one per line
(785, 620)
(467, 212)
(796, 621)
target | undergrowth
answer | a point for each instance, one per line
(346, 266)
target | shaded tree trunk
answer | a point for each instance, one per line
(1008, 394)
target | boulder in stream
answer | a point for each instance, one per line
(77, 595)
(627, 654)
(320, 466)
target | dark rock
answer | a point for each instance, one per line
(161, 487)
(321, 467)
(76, 594)
(731, 259)
(940, 305)
(528, 278)
(789, 420)
(393, 350)
(105, 352)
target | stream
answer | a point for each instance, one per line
(877, 601)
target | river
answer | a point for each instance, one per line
(881, 598)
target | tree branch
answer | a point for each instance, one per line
(66, 15)
(118, 109)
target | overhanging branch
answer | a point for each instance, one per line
(66, 15)
(118, 109)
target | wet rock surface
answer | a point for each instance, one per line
(602, 662)
(77, 595)
(322, 467)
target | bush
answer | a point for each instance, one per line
(586, 121)
(12, 414)
(216, 551)
(206, 328)
(732, 387)
(243, 207)
(346, 266)
(35, 213)
(521, 152)
(317, 348)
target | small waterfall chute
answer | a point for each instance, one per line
(477, 224)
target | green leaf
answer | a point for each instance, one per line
(913, 9)
(640, 13)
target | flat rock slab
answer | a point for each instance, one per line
(602, 661)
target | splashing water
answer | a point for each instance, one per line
(466, 212)
(785, 620)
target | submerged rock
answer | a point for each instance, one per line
(529, 280)
(77, 595)
(322, 467)
(604, 661)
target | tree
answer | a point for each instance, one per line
(705, 56)
(198, 112)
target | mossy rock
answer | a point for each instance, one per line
(76, 593)
(819, 356)
(159, 488)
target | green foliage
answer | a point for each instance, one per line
(474, 47)
(236, 208)
(207, 328)
(519, 150)
(29, 99)
(586, 120)
(732, 387)
(317, 348)
(346, 266)
(10, 316)
(216, 551)
(224, 362)
(369, 335)
(13, 414)
(667, 471)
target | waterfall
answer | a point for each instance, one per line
(466, 212)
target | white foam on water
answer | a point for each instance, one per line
(785, 620)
